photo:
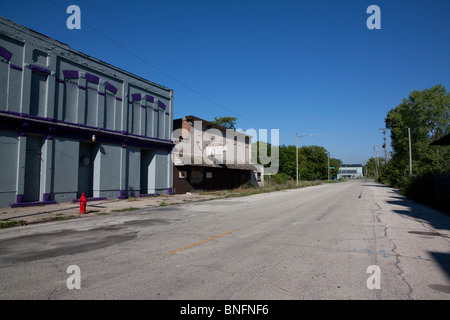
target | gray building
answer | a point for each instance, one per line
(70, 123)
(350, 171)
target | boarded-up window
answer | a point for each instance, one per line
(38, 98)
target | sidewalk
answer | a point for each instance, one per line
(10, 217)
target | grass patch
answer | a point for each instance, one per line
(334, 181)
(102, 213)
(247, 190)
(130, 199)
(62, 218)
(163, 204)
(11, 223)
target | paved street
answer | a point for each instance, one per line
(310, 243)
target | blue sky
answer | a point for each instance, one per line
(306, 67)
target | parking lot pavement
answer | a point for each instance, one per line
(10, 217)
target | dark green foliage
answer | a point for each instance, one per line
(430, 189)
(280, 178)
(227, 122)
(312, 162)
(427, 114)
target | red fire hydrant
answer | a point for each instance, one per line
(83, 201)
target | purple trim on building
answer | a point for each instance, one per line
(148, 195)
(81, 87)
(156, 110)
(5, 53)
(122, 194)
(48, 137)
(142, 106)
(59, 80)
(19, 201)
(46, 197)
(118, 98)
(110, 87)
(167, 113)
(71, 74)
(11, 112)
(149, 98)
(40, 69)
(100, 93)
(13, 66)
(41, 126)
(39, 118)
(30, 204)
(169, 191)
(136, 96)
(90, 199)
(92, 78)
(161, 105)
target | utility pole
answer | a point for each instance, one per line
(384, 145)
(377, 163)
(296, 154)
(410, 155)
(328, 166)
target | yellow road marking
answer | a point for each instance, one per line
(304, 203)
(197, 243)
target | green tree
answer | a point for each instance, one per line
(334, 163)
(288, 164)
(427, 114)
(313, 163)
(227, 122)
(374, 167)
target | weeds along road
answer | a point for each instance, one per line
(352, 240)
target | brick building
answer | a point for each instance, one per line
(210, 157)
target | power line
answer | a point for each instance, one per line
(384, 145)
(162, 71)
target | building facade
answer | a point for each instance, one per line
(210, 157)
(70, 123)
(350, 171)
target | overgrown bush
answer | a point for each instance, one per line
(428, 189)
(280, 178)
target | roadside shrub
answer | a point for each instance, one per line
(280, 178)
(428, 189)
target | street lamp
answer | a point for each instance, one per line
(296, 150)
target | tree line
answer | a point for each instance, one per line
(312, 160)
(419, 169)
(312, 163)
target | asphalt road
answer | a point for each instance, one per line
(352, 240)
